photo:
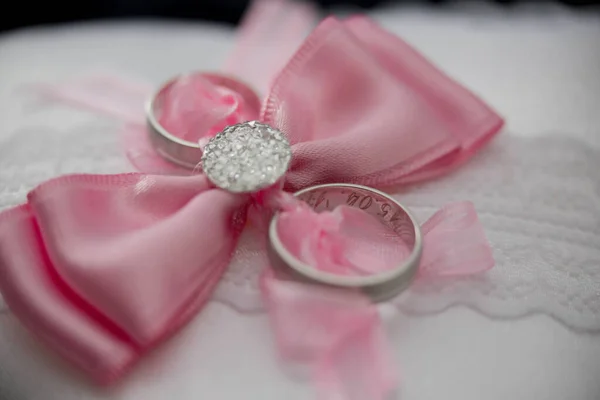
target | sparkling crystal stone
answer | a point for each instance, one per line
(246, 157)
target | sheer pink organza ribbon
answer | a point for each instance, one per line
(105, 267)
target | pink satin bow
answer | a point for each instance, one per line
(103, 268)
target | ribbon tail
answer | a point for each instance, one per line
(143, 156)
(467, 119)
(336, 334)
(358, 368)
(455, 243)
(102, 93)
(259, 55)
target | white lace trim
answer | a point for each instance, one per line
(539, 200)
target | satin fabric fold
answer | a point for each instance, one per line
(359, 105)
(104, 267)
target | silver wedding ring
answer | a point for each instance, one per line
(387, 210)
(176, 150)
(185, 153)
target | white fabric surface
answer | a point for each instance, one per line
(540, 70)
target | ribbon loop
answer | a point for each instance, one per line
(137, 254)
(455, 243)
(45, 305)
(361, 113)
(104, 93)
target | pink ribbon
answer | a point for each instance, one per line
(336, 332)
(105, 267)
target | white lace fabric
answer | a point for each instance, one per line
(539, 200)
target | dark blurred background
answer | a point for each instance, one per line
(40, 12)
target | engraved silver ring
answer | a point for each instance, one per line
(386, 209)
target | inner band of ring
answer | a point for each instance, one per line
(387, 210)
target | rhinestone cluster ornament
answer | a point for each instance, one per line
(246, 157)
